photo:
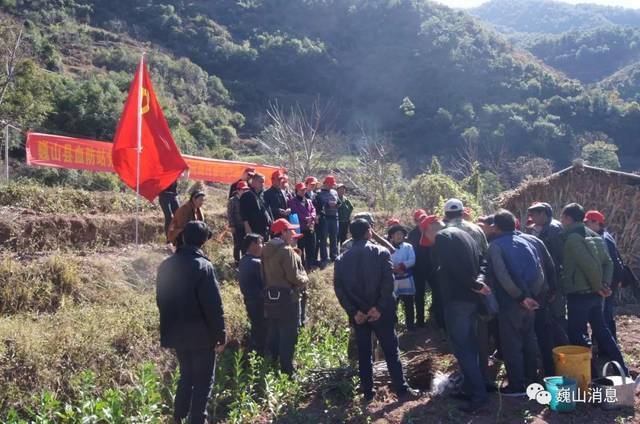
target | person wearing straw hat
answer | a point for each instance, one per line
(190, 211)
(284, 279)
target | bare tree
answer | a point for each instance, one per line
(378, 173)
(303, 141)
(11, 54)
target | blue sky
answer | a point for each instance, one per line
(634, 4)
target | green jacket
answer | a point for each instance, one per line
(345, 209)
(587, 266)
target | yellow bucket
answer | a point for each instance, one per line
(574, 362)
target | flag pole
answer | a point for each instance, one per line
(139, 147)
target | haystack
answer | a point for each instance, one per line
(614, 193)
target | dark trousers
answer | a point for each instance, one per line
(544, 335)
(238, 236)
(343, 231)
(461, 319)
(421, 290)
(609, 315)
(195, 383)
(407, 305)
(169, 205)
(384, 329)
(436, 310)
(519, 346)
(586, 309)
(558, 309)
(328, 228)
(258, 333)
(282, 336)
(483, 335)
(307, 244)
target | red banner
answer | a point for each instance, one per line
(90, 155)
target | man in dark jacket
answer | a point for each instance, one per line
(422, 268)
(255, 214)
(595, 220)
(251, 286)
(363, 282)
(191, 320)
(457, 257)
(275, 197)
(549, 230)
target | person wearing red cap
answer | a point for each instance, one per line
(344, 213)
(247, 174)
(422, 268)
(303, 207)
(436, 309)
(236, 224)
(275, 197)
(284, 279)
(586, 278)
(327, 205)
(595, 221)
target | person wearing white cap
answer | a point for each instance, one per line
(453, 210)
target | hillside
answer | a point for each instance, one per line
(588, 55)
(420, 73)
(552, 17)
(626, 82)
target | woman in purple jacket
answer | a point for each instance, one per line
(303, 207)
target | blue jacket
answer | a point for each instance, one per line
(517, 269)
(618, 263)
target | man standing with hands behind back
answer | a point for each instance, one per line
(191, 320)
(363, 282)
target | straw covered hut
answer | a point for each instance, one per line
(614, 193)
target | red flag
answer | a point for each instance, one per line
(143, 127)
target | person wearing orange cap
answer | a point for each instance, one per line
(303, 207)
(595, 221)
(246, 176)
(236, 224)
(327, 205)
(422, 268)
(276, 198)
(312, 186)
(284, 279)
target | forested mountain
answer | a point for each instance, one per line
(434, 80)
(553, 17)
(588, 55)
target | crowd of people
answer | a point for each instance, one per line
(500, 290)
